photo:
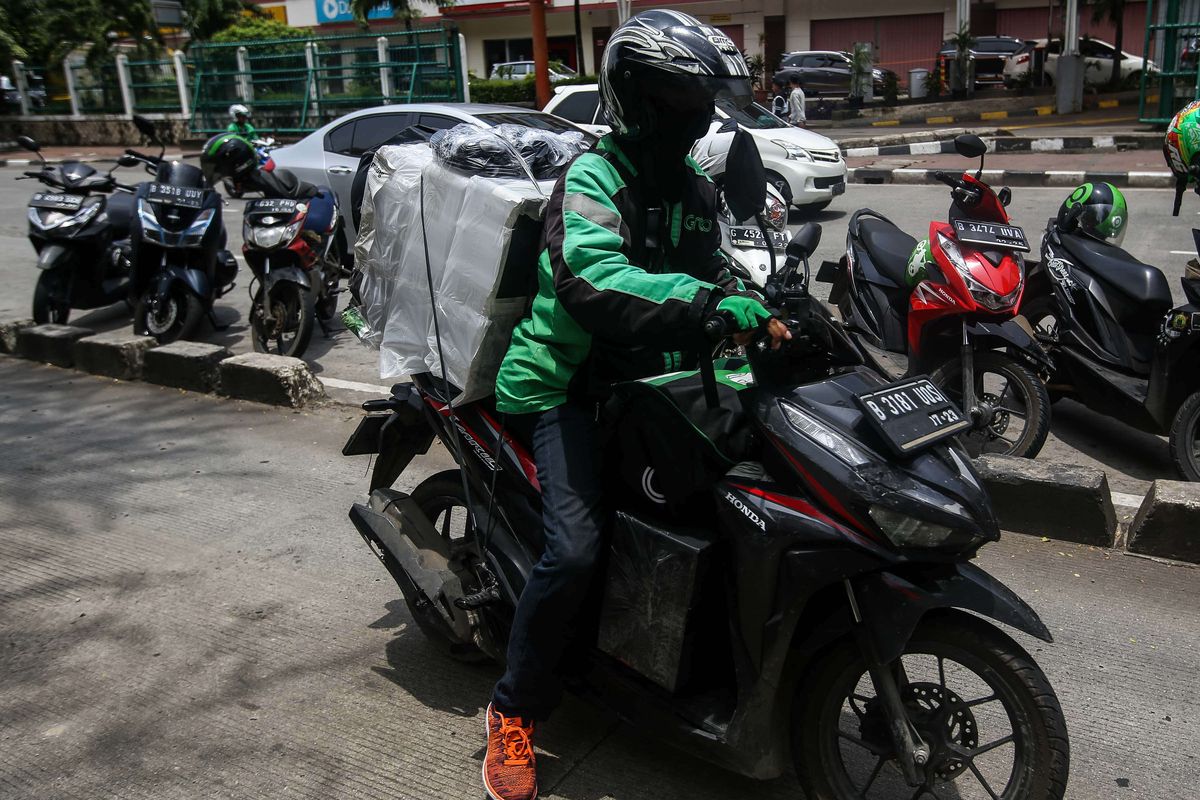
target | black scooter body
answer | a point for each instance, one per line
(1132, 357)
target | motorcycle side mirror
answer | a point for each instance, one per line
(805, 242)
(745, 178)
(1005, 196)
(127, 161)
(28, 144)
(969, 145)
(145, 127)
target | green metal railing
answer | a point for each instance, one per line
(154, 87)
(1163, 93)
(98, 89)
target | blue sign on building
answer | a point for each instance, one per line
(339, 11)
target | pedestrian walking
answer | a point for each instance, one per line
(796, 114)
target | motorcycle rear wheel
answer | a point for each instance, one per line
(1030, 392)
(1184, 440)
(964, 684)
(49, 299)
(290, 338)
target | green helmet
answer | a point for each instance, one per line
(1181, 149)
(227, 155)
(1104, 215)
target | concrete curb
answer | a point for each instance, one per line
(1059, 501)
(185, 365)
(27, 162)
(114, 355)
(51, 344)
(8, 333)
(1016, 177)
(264, 378)
(979, 109)
(1168, 523)
(1016, 144)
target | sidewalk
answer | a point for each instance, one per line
(1125, 161)
(16, 157)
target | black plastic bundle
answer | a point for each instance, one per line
(495, 152)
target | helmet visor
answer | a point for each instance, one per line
(686, 93)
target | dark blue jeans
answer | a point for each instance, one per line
(566, 447)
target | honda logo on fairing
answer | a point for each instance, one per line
(742, 507)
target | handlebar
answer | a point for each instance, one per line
(946, 178)
(719, 325)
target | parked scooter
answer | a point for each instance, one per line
(804, 599)
(294, 245)
(1119, 347)
(263, 145)
(80, 231)
(179, 262)
(959, 324)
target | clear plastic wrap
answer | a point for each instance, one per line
(493, 152)
(482, 236)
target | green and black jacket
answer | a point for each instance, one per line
(624, 283)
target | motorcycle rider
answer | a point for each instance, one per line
(1181, 149)
(241, 121)
(630, 270)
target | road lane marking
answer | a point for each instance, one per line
(355, 386)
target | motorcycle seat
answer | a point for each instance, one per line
(889, 248)
(119, 207)
(1144, 284)
(284, 184)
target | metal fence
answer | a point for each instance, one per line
(293, 85)
(1172, 36)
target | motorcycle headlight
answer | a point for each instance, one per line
(777, 215)
(792, 151)
(269, 237)
(151, 230)
(905, 531)
(835, 442)
(195, 231)
(50, 220)
(982, 294)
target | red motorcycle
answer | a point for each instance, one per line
(959, 324)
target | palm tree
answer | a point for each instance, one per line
(203, 18)
(400, 10)
(1114, 10)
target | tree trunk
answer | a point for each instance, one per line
(578, 41)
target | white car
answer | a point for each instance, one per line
(806, 168)
(520, 70)
(1097, 58)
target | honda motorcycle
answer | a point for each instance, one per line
(80, 231)
(179, 262)
(1119, 344)
(960, 323)
(789, 574)
(294, 245)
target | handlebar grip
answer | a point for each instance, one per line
(946, 178)
(715, 327)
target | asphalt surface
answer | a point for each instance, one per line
(1133, 459)
(186, 612)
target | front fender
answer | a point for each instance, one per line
(195, 280)
(891, 605)
(290, 273)
(1009, 334)
(52, 256)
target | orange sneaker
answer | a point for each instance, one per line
(509, 768)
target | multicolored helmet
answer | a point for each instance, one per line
(1101, 209)
(1181, 149)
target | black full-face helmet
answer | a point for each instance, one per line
(227, 155)
(663, 70)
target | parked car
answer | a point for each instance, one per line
(823, 72)
(520, 70)
(329, 156)
(991, 54)
(806, 168)
(1097, 56)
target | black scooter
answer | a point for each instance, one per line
(1118, 345)
(179, 262)
(80, 230)
(789, 572)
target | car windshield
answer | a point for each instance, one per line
(751, 116)
(530, 119)
(562, 69)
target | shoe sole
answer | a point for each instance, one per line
(487, 734)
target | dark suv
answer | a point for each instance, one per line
(991, 54)
(823, 72)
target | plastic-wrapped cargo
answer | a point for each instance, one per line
(476, 237)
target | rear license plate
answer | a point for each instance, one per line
(56, 201)
(912, 414)
(753, 237)
(365, 439)
(182, 196)
(990, 234)
(271, 205)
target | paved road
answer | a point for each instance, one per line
(1079, 436)
(185, 612)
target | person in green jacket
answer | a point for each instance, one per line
(630, 271)
(241, 122)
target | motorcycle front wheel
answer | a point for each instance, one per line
(1184, 440)
(290, 328)
(172, 318)
(50, 304)
(991, 720)
(1014, 404)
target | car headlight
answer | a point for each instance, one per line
(792, 151)
(777, 213)
(982, 294)
(905, 531)
(833, 441)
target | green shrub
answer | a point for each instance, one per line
(488, 91)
